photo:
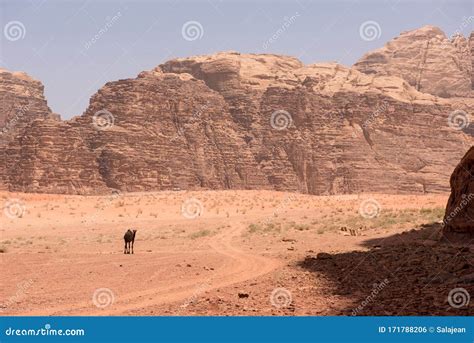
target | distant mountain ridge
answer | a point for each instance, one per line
(395, 122)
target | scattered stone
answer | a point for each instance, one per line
(323, 256)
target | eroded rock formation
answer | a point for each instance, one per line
(459, 217)
(427, 60)
(21, 101)
(20, 96)
(240, 121)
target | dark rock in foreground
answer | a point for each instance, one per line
(459, 217)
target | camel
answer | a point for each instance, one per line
(129, 237)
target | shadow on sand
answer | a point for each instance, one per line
(404, 274)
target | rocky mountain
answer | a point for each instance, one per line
(427, 60)
(246, 121)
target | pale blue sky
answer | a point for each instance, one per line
(57, 34)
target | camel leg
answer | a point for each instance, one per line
(132, 246)
(125, 248)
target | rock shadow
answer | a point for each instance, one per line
(410, 273)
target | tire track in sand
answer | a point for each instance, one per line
(238, 266)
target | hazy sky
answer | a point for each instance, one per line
(75, 47)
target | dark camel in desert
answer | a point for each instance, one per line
(129, 239)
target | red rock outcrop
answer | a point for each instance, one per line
(427, 60)
(21, 101)
(170, 131)
(39, 152)
(471, 44)
(459, 217)
(349, 132)
(242, 121)
(51, 156)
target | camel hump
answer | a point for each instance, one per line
(128, 233)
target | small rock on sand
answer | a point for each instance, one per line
(323, 256)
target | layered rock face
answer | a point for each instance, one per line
(348, 131)
(427, 60)
(51, 156)
(39, 152)
(243, 121)
(471, 44)
(170, 131)
(459, 217)
(21, 101)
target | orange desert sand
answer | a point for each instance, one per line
(232, 259)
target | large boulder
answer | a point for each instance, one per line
(459, 217)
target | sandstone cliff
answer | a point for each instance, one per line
(427, 60)
(348, 131)
(21, 97)
(240, 121)
(21, 101)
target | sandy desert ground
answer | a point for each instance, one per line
(229, 253)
